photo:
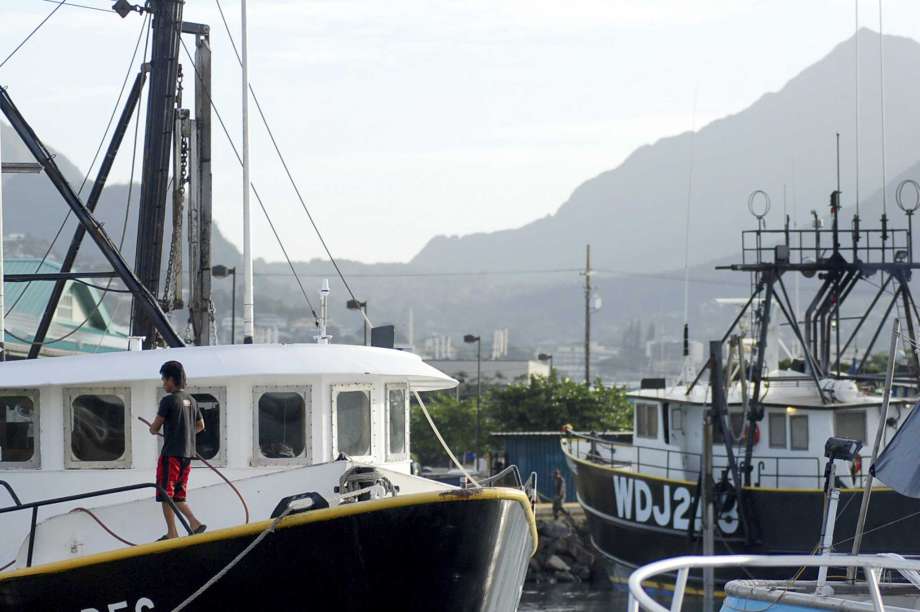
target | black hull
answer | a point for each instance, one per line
(454, 552)
(636, 528)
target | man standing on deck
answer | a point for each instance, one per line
(180, 419)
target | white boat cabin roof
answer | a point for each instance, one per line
(354, 364)
(801, 393)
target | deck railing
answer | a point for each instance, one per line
(34, 506)
(871, 565)
(686, 465)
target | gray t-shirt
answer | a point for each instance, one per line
(180, 413)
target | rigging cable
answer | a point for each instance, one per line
(89, 170)
(287, 170)
(255, 192)
(145, 28)
(32, 33)
(84, 6)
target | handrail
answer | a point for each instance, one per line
(667, 466)
(871, 565)
(511, 469)
(34, 506)
(9, 489)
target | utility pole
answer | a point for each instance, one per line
(587, 275)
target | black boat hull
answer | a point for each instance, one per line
(636, 519)
(449, 551)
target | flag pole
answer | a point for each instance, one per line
(879, 432)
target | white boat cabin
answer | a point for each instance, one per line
(264, 406)
(788, 450)
(70, 425)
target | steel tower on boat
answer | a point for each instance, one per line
(643, 500)
(322, 509)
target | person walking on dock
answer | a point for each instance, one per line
(180, 419)
(559, 497)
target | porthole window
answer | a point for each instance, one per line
(19, 444)
(397, 434)
(98, 427)
(282, 425)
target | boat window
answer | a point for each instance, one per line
(665, 423)
(98, 425)
(677, 419)
(798, 429)
(647, 420)
(736, 422)
(207, 442)
(282, 425)
(850, 425)
(396, 422)
(18, 427)
(353, 422)
(777, 425)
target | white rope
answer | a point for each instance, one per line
(446, 448)
(233, 563)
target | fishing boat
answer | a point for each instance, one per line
(318, 433)
(765, 461)
(303, 471)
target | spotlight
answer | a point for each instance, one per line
(123, 7)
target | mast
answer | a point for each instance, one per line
(248, 327)
(158, 143)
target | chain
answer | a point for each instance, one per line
(212, 321)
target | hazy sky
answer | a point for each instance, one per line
(406, 119)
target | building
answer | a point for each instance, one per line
(507, 370)
(81, 323)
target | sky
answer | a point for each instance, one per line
(407, 119)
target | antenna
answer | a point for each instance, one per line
(248, 322)
(687, 233)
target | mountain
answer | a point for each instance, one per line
(634, 215)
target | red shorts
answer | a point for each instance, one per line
(172, 476)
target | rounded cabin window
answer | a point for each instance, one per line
(98, 427)
(353, 416)
(282, 425)
(17, 429)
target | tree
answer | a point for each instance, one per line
(548, 403)
(456, 420)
